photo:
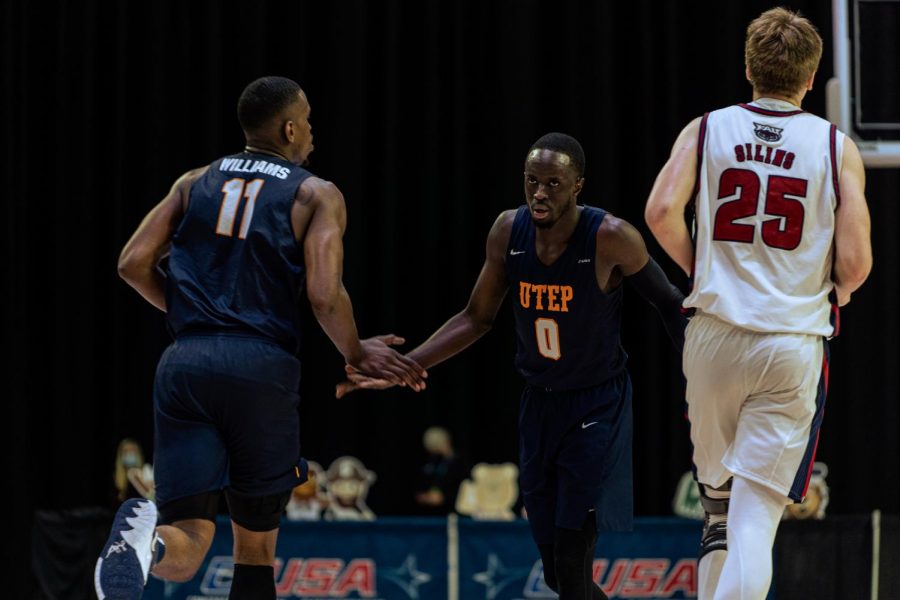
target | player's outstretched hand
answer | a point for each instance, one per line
(380, 361)
(357, 381)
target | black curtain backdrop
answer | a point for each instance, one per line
(422, 112)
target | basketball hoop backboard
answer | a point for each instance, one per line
(863, 97)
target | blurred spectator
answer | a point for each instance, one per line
(132, 476)
(441, 474)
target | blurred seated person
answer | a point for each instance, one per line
(441, 474)
(132, 476)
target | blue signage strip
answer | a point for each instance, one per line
(406, 559)
(386, 559)
(498, 561)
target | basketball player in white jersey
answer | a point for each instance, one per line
(781, 238)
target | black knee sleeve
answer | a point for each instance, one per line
(715, 504)
(257, 513)
(578, 541)
(548, 559)
(199, 506)
(252, 582)
(573, 559)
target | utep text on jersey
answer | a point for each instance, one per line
(566, 327)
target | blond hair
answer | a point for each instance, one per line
(782, 51)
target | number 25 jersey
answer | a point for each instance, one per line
(766, 193)
(235, 265)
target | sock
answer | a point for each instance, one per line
(252, 582)
(753, 517)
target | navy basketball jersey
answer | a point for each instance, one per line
(567, 328)
(235, 265)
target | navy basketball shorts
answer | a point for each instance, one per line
(575, 456)
(226, 417)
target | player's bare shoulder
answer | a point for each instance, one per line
(498, 238)
(615, 233)
(317, 190)
(620, 247)
(317, 196)
(689, 135)
(504, 222)
(194, 174)
(189, 178)
(182, 186)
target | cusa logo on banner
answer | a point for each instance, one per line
(303, 577)
(631, 578)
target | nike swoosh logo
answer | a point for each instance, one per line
(586, 425)
(516, 252)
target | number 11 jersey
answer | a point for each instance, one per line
(235, 265)
(765, 198)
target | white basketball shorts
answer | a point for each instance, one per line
(755, 403)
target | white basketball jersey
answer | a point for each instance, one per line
(767, 189)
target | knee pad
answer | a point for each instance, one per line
(257, 513)
(199, 506)
(715, 525)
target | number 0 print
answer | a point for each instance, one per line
(547, 332)
(234, 190)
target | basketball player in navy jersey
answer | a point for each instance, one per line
(242, 236)
(782, 238)
(564, 264)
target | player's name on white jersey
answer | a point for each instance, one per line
(764, 154)
(765, 215)
(246, 165)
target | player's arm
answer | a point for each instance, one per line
(670, 195)
(852, 227)
(621, 245)
(477, 318)
(139, 260)
(323, 250)
(464, 328)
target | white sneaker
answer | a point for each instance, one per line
(122, 568)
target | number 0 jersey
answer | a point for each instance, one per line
(767, 189)
(567, 328)
(235, 265)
